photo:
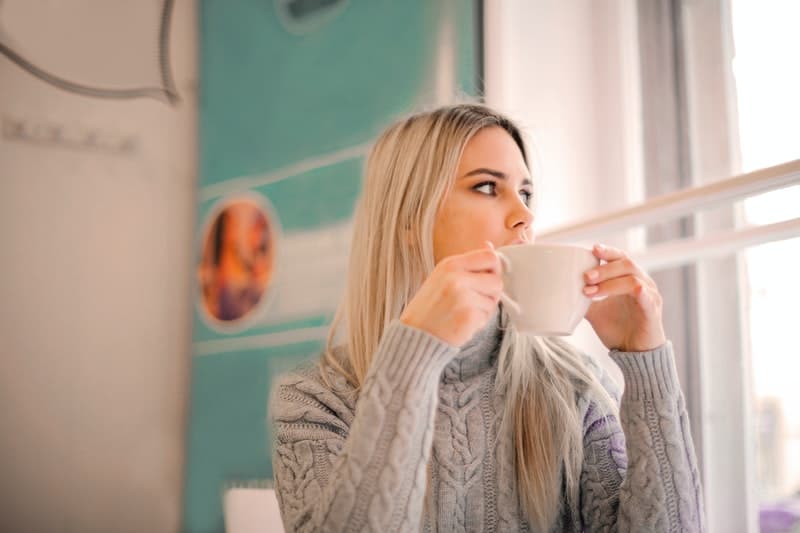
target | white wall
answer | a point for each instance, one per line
(569, 73)
(94, 291)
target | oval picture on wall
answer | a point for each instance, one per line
(237, 260)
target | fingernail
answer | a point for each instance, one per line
(599, 247)
(591, 289)
(592, 274)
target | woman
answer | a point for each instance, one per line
(433, 413)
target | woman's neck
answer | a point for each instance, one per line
(478, 355)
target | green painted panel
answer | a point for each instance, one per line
(302, 203)
(310, 200)
(228, 434)
(468, 47)
(205, 333)
(323, 196)
(270, 98)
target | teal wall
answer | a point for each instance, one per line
(273, 97)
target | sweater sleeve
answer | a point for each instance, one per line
(366, 472)
(640, 471)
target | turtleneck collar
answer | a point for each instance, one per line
(477, 355)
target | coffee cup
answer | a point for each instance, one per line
(543, 286)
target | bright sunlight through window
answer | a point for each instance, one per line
(767, 73)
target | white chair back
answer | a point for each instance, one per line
(252, 510)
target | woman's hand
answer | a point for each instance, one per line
(629, 318)
(458, 298)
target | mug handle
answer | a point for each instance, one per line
(505, 298)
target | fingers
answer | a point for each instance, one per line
(617, 265)
(471, 306)
(481, 260)
(484, 305)
(625, 285)
(608, 253)
(486, 283)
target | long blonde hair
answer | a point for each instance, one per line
(409, 171)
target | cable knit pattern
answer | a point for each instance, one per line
(421, 448)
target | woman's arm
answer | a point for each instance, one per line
(368, 472)
(640, 472)
(334, 475)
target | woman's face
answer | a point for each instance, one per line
(490, 198)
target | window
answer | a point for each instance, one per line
(766, 44)
(630, 100)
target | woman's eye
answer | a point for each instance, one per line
(527, 196)
(487, 187)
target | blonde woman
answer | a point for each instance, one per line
(430, 412)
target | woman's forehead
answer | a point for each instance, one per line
(493, 148)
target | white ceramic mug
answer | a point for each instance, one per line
(544, 286)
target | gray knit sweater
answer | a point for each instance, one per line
(343, 463)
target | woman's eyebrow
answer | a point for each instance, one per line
(496, 173)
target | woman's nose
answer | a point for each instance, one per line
(520, 217)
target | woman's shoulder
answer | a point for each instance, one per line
(603, 376)
(598, 403)
(593, 367)
(312, 392)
